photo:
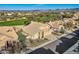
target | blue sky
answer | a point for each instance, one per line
(36, 6)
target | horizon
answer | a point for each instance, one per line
(37, 6)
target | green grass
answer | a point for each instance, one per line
(15, 22)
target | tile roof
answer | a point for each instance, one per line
(33, 28)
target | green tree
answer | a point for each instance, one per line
(21, 38)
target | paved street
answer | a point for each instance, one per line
(59, 46)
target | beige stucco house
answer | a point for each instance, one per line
(36, 30)
(72, 20)
(56, 25)
(7, 34)
(76, 15)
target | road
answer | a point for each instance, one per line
(59, 46)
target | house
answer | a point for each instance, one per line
(7, 34)
(72, 20)
(56, 25)
(36, 30)
(76, 15)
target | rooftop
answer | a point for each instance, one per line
(34, 27)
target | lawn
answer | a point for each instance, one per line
(15, 22)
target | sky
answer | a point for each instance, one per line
(36, 6)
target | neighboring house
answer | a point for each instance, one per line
(7, 34)
(56, 25)
(28, 14)
(36, 30)
(76, 15)
(9, 14)
(72, 20)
